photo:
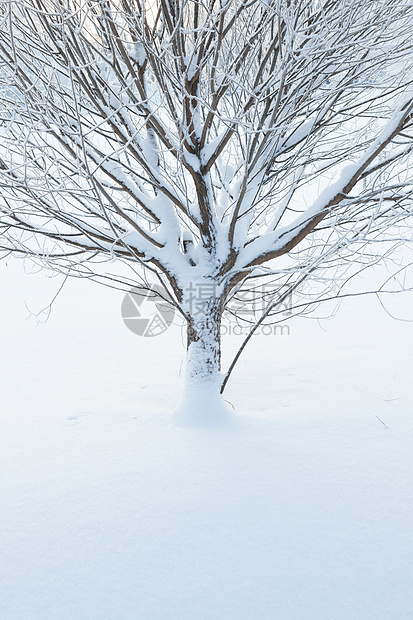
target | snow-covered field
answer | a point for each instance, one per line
(298, 508)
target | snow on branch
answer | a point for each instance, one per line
(192, 136)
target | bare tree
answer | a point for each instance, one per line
(186, 139)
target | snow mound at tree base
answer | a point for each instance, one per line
(201, 404)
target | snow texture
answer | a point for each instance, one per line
(298, 508)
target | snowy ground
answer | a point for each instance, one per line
(300, 508)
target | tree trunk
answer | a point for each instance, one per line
(204, 344)
(201, 400)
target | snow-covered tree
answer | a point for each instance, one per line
(209, 144)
